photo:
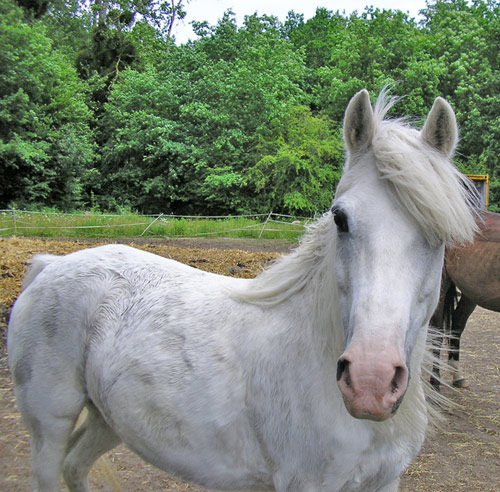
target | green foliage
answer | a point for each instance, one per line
(467, 46)
(178, 136)
(301, 165)
(99, 108)
(45, 138)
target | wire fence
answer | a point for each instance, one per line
(15, 222)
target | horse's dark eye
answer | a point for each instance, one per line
(340, 219)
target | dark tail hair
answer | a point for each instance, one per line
(450, 304)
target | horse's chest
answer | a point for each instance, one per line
(374, 472)
(363, 468)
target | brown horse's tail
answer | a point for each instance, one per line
(450, 304)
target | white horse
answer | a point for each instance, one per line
(306, 378)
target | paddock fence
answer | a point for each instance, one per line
(30, 223)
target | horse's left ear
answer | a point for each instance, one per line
(440, 128)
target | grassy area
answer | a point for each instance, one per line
(92, 225)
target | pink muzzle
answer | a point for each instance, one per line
(372, 383)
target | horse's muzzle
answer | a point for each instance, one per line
(372, 384)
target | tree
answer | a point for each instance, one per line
(369, 51)
(35, 8)
(464, 40)
(109, 50)
(45, 139)
(242, 119)
(164, 15)
(301, 164)
(145, 146)
(181, 136)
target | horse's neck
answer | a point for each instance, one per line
(309, 288)
(320, 299)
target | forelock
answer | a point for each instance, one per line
(424, 181)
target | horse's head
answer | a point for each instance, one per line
(398, 203)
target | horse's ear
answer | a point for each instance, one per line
(440, 128)
(358, 122)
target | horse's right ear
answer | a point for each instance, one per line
(440, 128)
(358, 122)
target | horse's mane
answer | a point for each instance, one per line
(423, 180)
(313, 258)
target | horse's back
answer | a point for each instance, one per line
(489, 227)
(67, 299)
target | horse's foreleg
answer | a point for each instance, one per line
(437, 325)
(87, 443)
(460, 316)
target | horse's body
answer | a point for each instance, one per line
(230, 383)
(474, 269)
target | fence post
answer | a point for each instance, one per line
(14, 220)
(159, 216)
(265, 223)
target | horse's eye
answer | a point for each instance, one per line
(340, 218)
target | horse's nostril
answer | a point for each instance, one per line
(398, 379)
(342, 365)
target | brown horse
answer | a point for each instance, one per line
(475, 270)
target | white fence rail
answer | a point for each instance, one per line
(15, 222)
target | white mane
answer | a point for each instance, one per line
(313, 258)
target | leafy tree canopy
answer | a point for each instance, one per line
(100, 107)
(45, 137)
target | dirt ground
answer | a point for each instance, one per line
(463, 455)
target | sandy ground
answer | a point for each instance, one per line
(462, 456)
